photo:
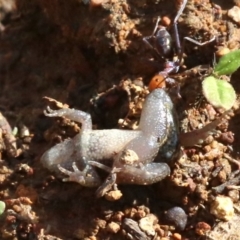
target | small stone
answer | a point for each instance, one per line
(96, 3)
(222, 51)
(113, 227)
(222, 176)
(202, 228)
(212, 154)
(118, 216)
(100, 223)
(177, 236)
(129, 157)
(93, 238)
(130, 212)
(177, 216)
(222, 208)
(132, 229)
(209, 139)
(227, 137)
(237, 2)
(147, 224)
(234, 14)
(79, 233)
(160, 232)
(2, 178)
(234, 195)
(113, 195)
(142, 211)
(17, 208)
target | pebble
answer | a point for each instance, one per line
(177, 236)
(222, 208)
(234, 195)
(234, 14)
(177, 216)
(132, 229)
(202, 228)
(222, 51)
(113, 227)
(147, 224)
(96, 3)
(113, 195)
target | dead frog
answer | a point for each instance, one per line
(133, 152)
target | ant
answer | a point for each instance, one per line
(161, 42)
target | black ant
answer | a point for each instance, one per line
(161, 42)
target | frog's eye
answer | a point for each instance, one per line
(158, 81)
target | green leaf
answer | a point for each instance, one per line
(2, 207)
(228, 64)
(218, 92)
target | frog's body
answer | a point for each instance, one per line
(157, 129)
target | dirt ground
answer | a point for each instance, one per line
(92, 57)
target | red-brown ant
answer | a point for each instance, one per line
(161, 42)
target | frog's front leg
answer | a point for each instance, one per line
(72, 114)
(64, 156)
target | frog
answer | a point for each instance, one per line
(136, 155)
(141, 156)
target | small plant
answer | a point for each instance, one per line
(217, 91)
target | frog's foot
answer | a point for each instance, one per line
(143, 175)
(87, 178)
(108, 184)
(52, 113)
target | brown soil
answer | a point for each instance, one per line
(75, 53)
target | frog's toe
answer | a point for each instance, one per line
(88, 177)
(75, 176)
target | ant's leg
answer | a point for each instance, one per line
(156, 25)
(175, 28)
(199, 43)
(217, 11)
(195, 42)
(146, 39)
(180, 49)
(180, 11)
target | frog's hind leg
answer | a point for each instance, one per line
(130, 174)
(143, 175)
(62, 153)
